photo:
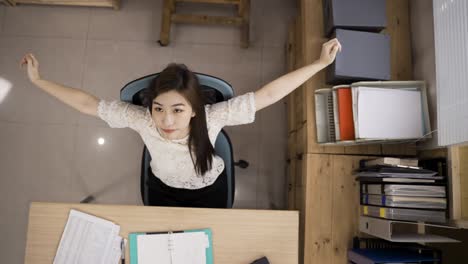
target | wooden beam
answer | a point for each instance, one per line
(231, 2)
(9, 2)
(116, 4)
(463, 168)
(206, 20)
(244, 13)
(331, 209)
(454, 183)
(98, 3)
(168, 9)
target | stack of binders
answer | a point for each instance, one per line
(396, 189)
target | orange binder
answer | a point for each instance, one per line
(345, 113)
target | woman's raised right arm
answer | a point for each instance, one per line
(76, 98)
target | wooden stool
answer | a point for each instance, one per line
(169, 16)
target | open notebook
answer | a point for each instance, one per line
(178, 247)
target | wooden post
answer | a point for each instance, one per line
(244, 13)
(10, 2)
(116, 4)
(168, 9)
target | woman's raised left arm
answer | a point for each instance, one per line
(279, 88)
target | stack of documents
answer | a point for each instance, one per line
(372, 112)
(405, 214)
(392, 161)
(405, 190)
(400, 192)
(89, 239)
(404, 201)
(380, 171)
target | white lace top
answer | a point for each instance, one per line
(171, 161)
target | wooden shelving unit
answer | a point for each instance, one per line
(320, 181)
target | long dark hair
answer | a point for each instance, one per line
(179, 78)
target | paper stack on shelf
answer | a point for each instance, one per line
(372, 112)
(404, 201)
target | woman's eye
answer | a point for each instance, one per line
(158, 109)
(178, 110)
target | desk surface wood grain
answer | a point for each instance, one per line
(239, 236)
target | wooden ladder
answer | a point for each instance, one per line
(170, 16)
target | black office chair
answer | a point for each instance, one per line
(215, 90)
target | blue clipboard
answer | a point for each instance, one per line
(133, 244)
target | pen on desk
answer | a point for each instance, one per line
(122, 248)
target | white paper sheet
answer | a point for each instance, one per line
(88, 239)
(389, 113)
(187, 247)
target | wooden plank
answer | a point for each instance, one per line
(318, 209)
(408, 149)
(8, 2)
(299, 60)
(313, 147)
(230, 2)
(239, 236)
(373, 149)
(454, 183)
(291, 111)
(299, 103)
(206, 20)
(398, 27)
(290, 60)
(244, 13)
(345, 214)
(291, 48)
(291, 168)
(463, 169)
(301, 140)
(301, 171)
(116, 4)
(299, 93)
(168, 8)
(292, 146)
(96, 3)
(432, 153)
(331, 207)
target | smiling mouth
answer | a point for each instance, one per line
(167, 131)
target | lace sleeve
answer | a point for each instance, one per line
(236, 111)
(120, 114)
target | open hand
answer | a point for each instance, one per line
(33, 66)
(329, 51)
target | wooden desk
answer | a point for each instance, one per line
(239, 236)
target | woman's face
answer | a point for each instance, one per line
(172, 114)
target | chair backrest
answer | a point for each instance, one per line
(215, 90)
(129, 92)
